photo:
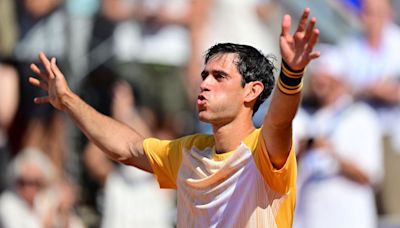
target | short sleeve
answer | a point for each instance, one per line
(280, 180)
(165, 158)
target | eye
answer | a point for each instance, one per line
(219, 76)
(204, 75)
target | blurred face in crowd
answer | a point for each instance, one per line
(30, 182)
(39, 8)
(221, 93)
(375, 14)
(326, 86)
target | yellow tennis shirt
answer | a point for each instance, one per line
(240, 188)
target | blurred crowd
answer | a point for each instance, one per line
(139, 61)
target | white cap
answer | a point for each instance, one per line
(330, 63)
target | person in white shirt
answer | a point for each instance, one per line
(344, 158)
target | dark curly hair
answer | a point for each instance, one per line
(251, 64)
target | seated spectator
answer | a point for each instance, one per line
(34, 195)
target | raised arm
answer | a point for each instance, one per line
(297, 52)
(118, 141)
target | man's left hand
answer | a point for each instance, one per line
(297, 49)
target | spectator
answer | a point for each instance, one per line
(32, 200)
(9, 94)
(80, 21)
(344, 158)
(8, 30)
(373, 72)
(152, 52)
(41, 26)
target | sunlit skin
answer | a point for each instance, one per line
(222, 98)
(375, 16)
(223, 103)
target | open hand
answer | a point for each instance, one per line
(52, 81)
(297, 49)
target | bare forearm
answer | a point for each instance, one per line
(114, 138)
(9, 94)
(283, 108)
(297, 52)
(117, 140)
(351, 171)
(278, 126)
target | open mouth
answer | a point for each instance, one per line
(201, 100)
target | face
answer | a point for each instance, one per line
(375, 15)
(321, 86)
(221, 95)
(324, 86)
(30, 183)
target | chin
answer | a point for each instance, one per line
(212, 119)
(208, 117)
(203, 117)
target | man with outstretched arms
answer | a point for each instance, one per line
(238, 177)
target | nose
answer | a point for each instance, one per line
(206, 83)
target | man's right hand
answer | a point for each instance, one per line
(120, 142)
(52, 81)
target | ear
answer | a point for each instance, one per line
(253, 90)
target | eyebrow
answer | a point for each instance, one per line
(221, 72)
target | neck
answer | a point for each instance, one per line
(375, 42)
(229, 136)
(374, 37)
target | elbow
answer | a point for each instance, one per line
(130, 153)
(121, 155)
(125, 158)
(122, 159)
